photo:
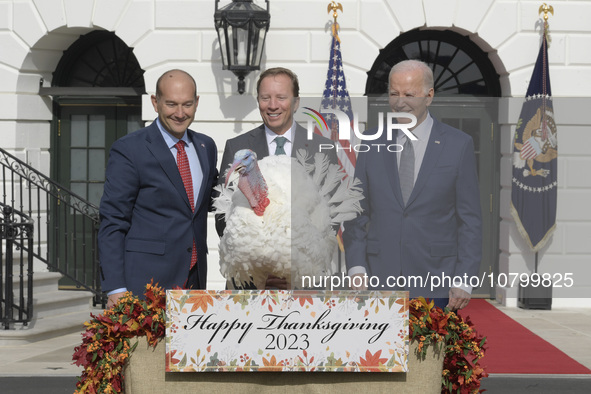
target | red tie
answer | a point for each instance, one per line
(185, 170)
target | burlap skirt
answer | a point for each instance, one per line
(145, 373)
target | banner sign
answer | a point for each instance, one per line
(277, 330)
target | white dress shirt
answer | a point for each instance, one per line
(271, 135)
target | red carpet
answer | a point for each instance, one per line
(512, 348)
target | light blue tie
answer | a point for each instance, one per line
(407, 169)
(280, 142)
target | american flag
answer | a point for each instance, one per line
(336, 96)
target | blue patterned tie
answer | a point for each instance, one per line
(407, 169)
(280, 142)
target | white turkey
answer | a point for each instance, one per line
(280, 216)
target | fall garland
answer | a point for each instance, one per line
(106, 342)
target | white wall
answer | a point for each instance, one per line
(179, 33)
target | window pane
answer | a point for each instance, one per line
(95, 192)
(78, 188)
(96, 128)
(79, 130)
(96, 165)
(78, 164)
(459, 61)
(134, 122)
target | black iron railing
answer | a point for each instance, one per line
(65, 234)
(16, 260)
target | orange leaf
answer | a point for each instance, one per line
(200, 301)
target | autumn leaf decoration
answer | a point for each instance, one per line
(106, 341)
(200, 301)
(372, 362)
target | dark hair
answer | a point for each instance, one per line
(278, 71)
(159, 91)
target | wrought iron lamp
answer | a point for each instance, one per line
(242, 28)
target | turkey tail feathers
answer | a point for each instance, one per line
(345, 200)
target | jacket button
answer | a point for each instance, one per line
(189, 250)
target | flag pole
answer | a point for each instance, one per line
(544, 8)
(334, 6)
(534, 185)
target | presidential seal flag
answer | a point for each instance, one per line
(535, 151)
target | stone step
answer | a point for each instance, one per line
(55, 312)
(46, 328)
(43, 282)
(60, 302)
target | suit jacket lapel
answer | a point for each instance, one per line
(391, 169)
(434, 148)
(258, 142)
(161, 152)
(204, 161)
(299, 140)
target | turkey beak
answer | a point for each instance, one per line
(236, 166)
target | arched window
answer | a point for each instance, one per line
(459, 66)
(99, 59)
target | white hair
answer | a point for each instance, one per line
(410, 65)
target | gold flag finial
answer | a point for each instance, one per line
(334, 6)
(545, 8)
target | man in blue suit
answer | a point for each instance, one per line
(421, 216)
(150, 229)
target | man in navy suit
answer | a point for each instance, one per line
(278, 99)
(149, 229)
(430, 223)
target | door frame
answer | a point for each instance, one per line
(116, 110)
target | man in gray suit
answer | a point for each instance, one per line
(278, 99)
(421, 213)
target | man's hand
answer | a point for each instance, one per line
(359, 279)
(274, 282)
(113, 298)
(458, 299)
